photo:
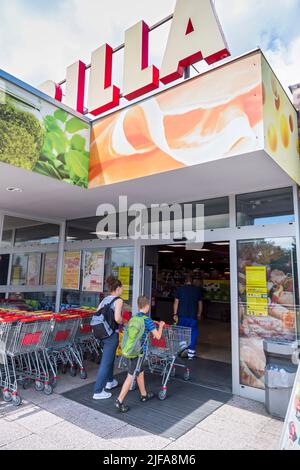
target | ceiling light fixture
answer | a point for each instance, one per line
(103, 234)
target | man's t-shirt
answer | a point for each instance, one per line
(188, 297)
(149, 327)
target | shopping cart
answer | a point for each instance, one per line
(22, 345)
(162, 355)
(59, 345)
(88, 344)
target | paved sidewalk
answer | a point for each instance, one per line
(54, 422)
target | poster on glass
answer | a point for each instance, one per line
(93, 271)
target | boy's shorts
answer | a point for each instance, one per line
(132, 365)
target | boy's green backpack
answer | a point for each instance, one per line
(131, 346)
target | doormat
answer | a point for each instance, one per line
(212, 374)
(185, 406)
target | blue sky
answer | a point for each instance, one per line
(40, 38)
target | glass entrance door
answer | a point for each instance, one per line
(267, 301)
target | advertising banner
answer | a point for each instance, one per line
(213, 116)
(257, 291)
(40, 137)
(124, 277)
(93, 271)
(50, 269)
(290, 439)
(281, 124)
(71, 275)
(34, 269)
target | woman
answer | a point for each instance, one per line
(105, 379)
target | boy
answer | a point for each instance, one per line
(144, 307)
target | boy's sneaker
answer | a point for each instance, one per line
(147, 397)
(121, 407)
(102, 396)
(111, 385)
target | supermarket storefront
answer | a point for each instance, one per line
(227, 138)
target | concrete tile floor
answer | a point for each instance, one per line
(54, 422)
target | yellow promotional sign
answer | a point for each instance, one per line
(124, 277)
(71, 275)
(257, 291)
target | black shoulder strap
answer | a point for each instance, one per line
(110, 303)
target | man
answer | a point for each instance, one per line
(187, 311)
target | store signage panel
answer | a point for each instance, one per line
(42, 138)
(281, 124)
(213, 116)
(195, 35)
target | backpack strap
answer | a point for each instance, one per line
(113, 300)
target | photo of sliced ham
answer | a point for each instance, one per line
(215, 115)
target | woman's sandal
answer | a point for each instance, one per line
(147, 397)
(121, 407)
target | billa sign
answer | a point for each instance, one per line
(195, 35)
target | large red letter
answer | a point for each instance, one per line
(52, 89)
(139, 78)
(103, 96)
(75, 85)
(195, 34)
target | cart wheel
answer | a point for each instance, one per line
(73, 372)
(39, 386)
(26, 384)
(173, 372)
(162, 395)
(48, 390)
(17, 400)
(83, 374)
(186, 375)
(7, 396)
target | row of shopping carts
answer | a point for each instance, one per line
(33, 347)
(163, 356)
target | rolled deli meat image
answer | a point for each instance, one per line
(214, 116)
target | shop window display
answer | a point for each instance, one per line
(117, 261)
(268, 301)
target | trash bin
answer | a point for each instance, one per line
(280, 375)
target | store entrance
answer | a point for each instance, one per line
(166, 267)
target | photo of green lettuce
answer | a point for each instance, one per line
(21, 137)
(64, 154)
(54, 146)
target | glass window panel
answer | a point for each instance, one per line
(268, 301)
(37, 234)
(28, 232)
(216, 213)
(265, 207)
(6, 238)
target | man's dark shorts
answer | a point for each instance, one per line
(132, 365)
